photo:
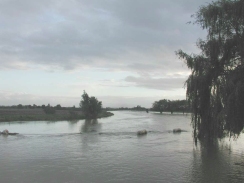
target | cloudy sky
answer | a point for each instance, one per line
(121, 51)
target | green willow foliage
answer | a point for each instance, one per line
(215, 88)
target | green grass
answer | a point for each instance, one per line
(16, 116)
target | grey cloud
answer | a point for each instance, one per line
(122, 101)
(112, 83)
(158, 83)
(14, 98)
(72, 34)
(8, 98)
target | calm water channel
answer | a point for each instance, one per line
(110, 151)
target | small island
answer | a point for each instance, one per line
(90, 108)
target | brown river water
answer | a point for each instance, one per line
(108, 150)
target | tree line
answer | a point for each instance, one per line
(34, 106)
(136, 108)
(171, 106)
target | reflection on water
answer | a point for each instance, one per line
(91, 125)
(74, 121)
(73, 124)
(211, 163)
(108, 150)
(218, 162)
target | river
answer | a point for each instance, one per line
(108, 150)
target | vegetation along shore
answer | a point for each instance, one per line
(39, 114)
(90, 108)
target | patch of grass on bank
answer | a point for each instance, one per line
(39, 115)
(105, 114)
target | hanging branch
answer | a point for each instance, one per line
(215, 88)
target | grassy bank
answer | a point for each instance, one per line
(7, 115)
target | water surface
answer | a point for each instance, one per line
(108, 150)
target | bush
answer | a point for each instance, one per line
(73, 115)
(49, 110)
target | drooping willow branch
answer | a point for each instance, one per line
(215, 88)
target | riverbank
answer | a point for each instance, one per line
(8, 115)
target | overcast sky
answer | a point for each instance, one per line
(120, 51)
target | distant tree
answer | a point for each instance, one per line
(170, 106)
(49, 110)
(90, 106)
(161, 105)
(20, 106)
(215, 88)
(58, 106)
(138, 108)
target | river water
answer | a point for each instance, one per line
(108, 150)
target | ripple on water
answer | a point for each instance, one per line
(110, 151)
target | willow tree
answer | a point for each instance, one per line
(215, 88)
